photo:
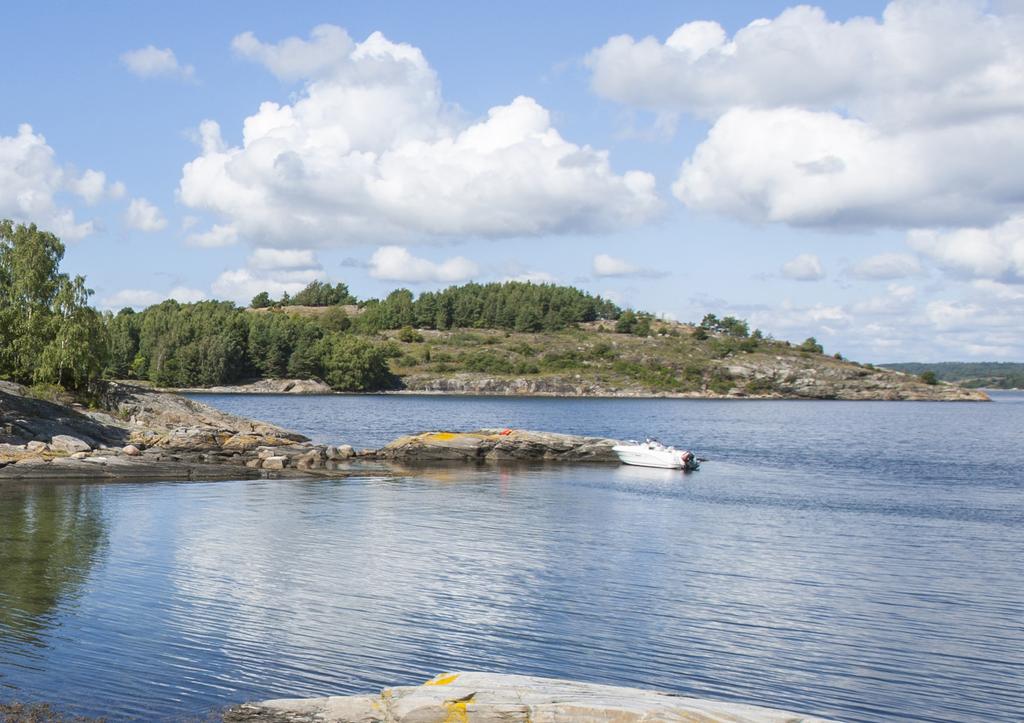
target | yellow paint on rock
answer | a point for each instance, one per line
(458, 710)
(442, 679)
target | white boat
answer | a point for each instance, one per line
(652, 453)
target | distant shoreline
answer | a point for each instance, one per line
(515, 388)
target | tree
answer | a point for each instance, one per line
(48, 332)
(317, 293)
(77, 351)
(811, 345)
(352, 364)
(626, 323)
(929, 377)
(262, 300)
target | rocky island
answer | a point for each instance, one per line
(138, 433)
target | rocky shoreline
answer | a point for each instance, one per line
(840, 382)
(474, 697)
(139, 434)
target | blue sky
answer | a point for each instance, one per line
(848, 172)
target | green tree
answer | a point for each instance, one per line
(929, 377)
(48, 332)
(77, 350)
(811, 345)
(353, 364)
(262, 300)
(626, 323)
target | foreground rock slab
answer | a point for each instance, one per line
(496, 445)
(492, 698)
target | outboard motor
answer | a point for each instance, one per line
(690, 462)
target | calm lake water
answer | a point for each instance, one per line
(863, 561)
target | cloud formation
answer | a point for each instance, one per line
(886, 266)
(605, 265)
(395, 263)
(916, 120)
(144, 216)
(369, 151)
(150, 62)
(276, 271)
(31, 180)
(995, 253)
(141, 298)
(805, 267)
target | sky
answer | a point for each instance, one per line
(848, 171)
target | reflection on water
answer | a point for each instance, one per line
(50, 537)
(817, 583)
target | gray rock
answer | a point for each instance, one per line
(69, 444)
(78, 455)
(344, 451)
(496, 445)
(278, 462)
(35, 446)
(494, 698)
(131, 450)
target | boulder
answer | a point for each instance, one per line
(67, 443)
(344, 451)
(35, 446)
(496, 698)
(277, 462)
(131, 450)
(313, 459)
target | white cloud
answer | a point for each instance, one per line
(141, 298)
(276, 271)
(805, 267)
(605, 265)
(885, 266)
(117, 190)
(532, 277)
(989, 253)
(151, 62)
(144, 216)
(914, 120)
(395, 263)
(369, 151)
(90, 185)
(898, 299)
(273, 259)
(926, 62)
(218, 235)
(240, 285)
(30, 180)
(814, 168)
(329, 47)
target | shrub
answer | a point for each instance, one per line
(929, 377)
(409, 335)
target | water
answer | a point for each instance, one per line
(856, 560)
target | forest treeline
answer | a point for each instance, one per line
(49, 334)
(215, 342)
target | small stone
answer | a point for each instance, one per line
(254, 463)
(131, 450)
(35, 446)
(78, 455)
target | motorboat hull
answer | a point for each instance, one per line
(644, 455)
